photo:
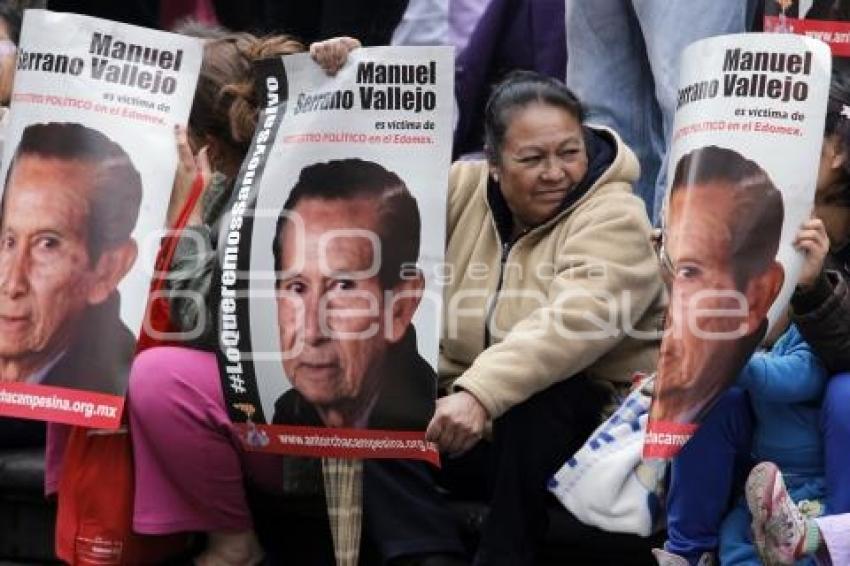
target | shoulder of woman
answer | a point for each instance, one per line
(465, 177)
(614, 197)
(625, 166)
(465, 172)
(613, 203)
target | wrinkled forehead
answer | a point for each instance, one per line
(342, 227)
(29, 168)
(701, 215)
(69, 181)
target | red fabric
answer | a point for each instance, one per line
(158, 313)
(96, 505)
(95, 496)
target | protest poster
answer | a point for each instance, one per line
(827, 20)
(330, 306)
(88, 164)
(744, 159)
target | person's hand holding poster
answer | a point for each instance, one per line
(329, 313)
(734, 203)
(88, 167)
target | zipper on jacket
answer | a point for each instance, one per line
(506, 249)
(491, 310)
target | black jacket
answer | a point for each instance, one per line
(822, 313)
(100, 357)
(406, 399)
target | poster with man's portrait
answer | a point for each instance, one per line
(743, 164)
(827, 20)
(330, 294)
(88, 164)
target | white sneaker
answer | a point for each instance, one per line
(778, 526)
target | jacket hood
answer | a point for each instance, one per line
(608, 160)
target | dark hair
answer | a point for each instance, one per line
(399, 223)
(226, 104)
(839, 11)
(116, 184)
(838, 117)
(516, 91)
(758, 207)
(12, 16)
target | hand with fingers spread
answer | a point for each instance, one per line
(458, 422)
(189, 167)
(813, 241)
(332, 54)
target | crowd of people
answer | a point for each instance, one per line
(570, 174)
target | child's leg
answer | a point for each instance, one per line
(703, 475)
(736, 544)
(835, 418)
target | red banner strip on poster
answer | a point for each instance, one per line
(60, 405)
(665, 439)
(338, 442)
(835, 33)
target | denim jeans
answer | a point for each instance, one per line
(835, 423)
(706, 471)
(704, 476)
(623, 64)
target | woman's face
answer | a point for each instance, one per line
(542, 159)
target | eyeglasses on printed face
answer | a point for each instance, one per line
(664, 262)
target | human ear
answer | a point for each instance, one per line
(406, 296)
(762, 290)
(111, 267)
(839, 159)
(834, 152)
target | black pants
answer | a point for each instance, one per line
(404, 513)
(530, 443)
(21, 433)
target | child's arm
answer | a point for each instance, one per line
(794, 376)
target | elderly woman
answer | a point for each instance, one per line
(555, 304)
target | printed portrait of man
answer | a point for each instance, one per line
(346, 252)
(809, 9)
(71, 201)
(718, 255)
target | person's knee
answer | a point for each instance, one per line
(565, 400)
(156, 380)
(570, 409)
(147, 376)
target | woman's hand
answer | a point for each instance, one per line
(458, 422)
(332, 54)
(189, 167)
(814, 243)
